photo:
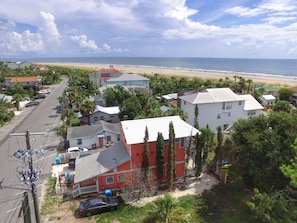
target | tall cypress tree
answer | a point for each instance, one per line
(196, 112)
(198, 158)
(171, 158)
(160, 157)
(145, 158)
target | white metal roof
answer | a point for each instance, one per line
(134, 130)
(268, 97)
(212, 95)
(107, 110)
(251, 103)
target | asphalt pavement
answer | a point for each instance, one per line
(17, 120)
(41, 121)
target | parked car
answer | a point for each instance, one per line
(39, 96)
(44, 91)
(96, 205)
(76, 149)
(32, 103)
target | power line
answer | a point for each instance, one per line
(29, 176)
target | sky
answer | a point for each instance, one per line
(148, 28)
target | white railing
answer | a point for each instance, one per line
(77, 190)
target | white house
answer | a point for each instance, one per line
(218, 107)
(267, 100)
(93, 136)
(101, 113)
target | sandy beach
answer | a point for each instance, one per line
(273, 80)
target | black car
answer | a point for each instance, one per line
(96, 205)
(39, 96)
(32, 103)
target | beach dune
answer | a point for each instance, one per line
(274, 80)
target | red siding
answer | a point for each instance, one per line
(130, 169)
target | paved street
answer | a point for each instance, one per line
(37, 120)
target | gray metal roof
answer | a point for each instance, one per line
(99, 163)
(88, 131)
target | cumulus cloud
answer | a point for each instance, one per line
(12, 42)
(85, 44)
(49, 28)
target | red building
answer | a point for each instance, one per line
(120, 164)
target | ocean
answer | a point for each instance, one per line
(270, 67)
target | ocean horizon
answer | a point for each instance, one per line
(239, 66)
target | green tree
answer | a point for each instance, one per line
(17, 98)
(130, 107)
(62, 131)
(272, 208)
(67, 115)
(159, 158)
(285, 94)
(64, 101)
(145, 158)
(196, 112)
(198, 155)
(282, 106)
(218, 150)
(171, 158)
(5, 105)
(262, 144)
(165, 210)
(87, 108)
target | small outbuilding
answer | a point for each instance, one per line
(267, 100)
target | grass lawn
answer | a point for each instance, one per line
(222, 204)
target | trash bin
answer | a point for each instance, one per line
(108, 193)
(58, 160)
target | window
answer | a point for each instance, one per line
(182, 142)
(250, 113)
(229, 114)
(240, 103)
(109, 180)
(166, 141)
(227, 106)
(96, 118)
(185, 102)
(108, 138)
(102, 118)
(121, 178)
(79, 141)
(218, 116)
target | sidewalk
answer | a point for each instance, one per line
(17, 120)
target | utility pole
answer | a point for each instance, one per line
(33, 190)
(32, 174)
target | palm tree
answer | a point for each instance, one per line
(67, 114)
(64, 101)
(166, 210)
(87, 108)
(17, 98)
(4, 106)
(62, 131)
(249, 82)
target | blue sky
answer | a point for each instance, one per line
(157, 28)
